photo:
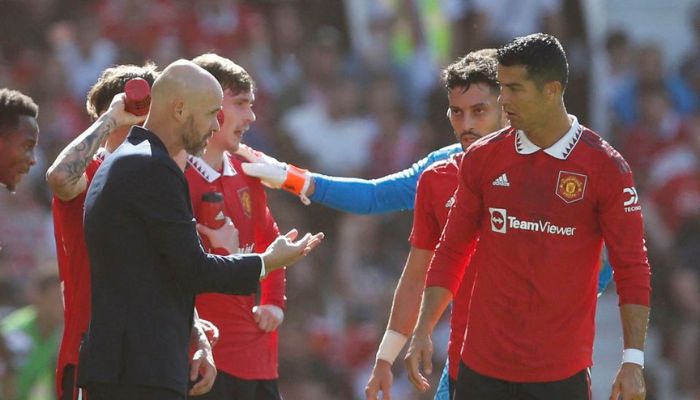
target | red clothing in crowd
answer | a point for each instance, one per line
(244, 350)
(434, 198)
(541, 216)
(74, 271)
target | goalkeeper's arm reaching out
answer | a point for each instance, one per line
(393, 192)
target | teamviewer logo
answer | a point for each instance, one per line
(498, 219)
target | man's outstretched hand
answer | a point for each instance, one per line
(284, 251)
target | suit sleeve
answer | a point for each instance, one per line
(393, 192)
(161, 199)
(457, 242)
(621, 222)
(273, 287)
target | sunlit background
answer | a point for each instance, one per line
(352, 88)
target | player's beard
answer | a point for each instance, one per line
(467, 138)
(194, 142)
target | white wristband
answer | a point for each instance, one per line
(391, 346)
(633, 356)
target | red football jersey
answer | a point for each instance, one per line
(243, 350)
(73, 270)
(541, 216)
(434, 198)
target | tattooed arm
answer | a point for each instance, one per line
(66, 176)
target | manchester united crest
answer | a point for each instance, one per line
(246, 201)
(571, 186)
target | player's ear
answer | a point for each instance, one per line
(179, 110)
(552, 89)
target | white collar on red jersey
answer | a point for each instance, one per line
(561, 149)
(102, 153)
(209, 173)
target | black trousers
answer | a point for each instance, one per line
(68, 383)
(474, 386)
(228, 387)
(115, 391)
(451, 384)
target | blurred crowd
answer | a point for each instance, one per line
(347, 88)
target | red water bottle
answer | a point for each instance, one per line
(138, 96)
(211, 214)
(211, 211)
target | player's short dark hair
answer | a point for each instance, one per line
(14, 104)
(541, 54)
(478, 66)
(229, 74)
(112, 82)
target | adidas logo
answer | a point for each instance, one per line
(501, 181)
(220, 215)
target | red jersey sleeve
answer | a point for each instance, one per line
(621, 223)
(426, 230)
(273, 287)
(456, 246)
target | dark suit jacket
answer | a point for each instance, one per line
(147, 265)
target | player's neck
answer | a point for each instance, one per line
(214, 157)
(552, 128)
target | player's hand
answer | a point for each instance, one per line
(268, 316)
(202, 366)
(225, 237)
(420, 350)
(274, 173)
(210, 330)
(118, 112)
(284, 251)
(380, 381)
(629, 383)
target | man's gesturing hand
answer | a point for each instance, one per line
(420, 350)
(629, 383)
(284, 251)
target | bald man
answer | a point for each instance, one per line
(146, 261)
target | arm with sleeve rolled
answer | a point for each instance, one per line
(623, 232)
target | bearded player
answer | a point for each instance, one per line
(472, 92)
(69, 178)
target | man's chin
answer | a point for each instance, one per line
(466, 142)
(196, 151)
